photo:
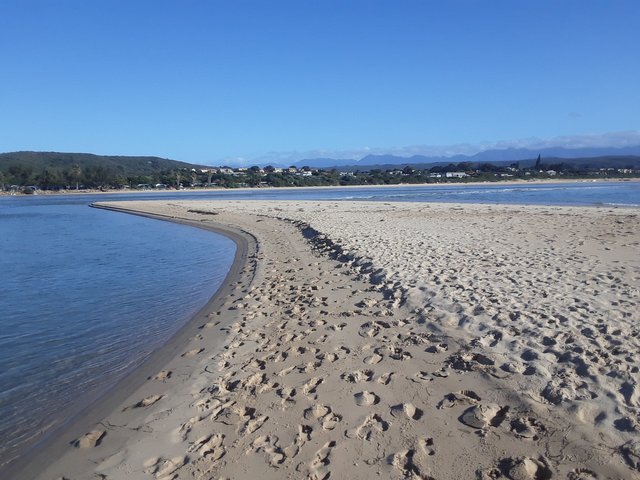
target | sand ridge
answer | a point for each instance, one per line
(403, 341)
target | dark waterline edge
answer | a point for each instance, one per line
(37, 456)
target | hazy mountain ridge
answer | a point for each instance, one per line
(612, 161)
(509, 155)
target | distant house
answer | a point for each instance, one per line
(551, 173)
(455, 174)
(225, 171)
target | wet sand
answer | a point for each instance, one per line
(393, 340)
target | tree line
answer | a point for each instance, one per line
(77, 176)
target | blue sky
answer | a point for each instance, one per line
(240, 81)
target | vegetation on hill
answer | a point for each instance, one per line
(27, 171)
(59, 170)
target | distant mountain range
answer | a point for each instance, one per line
(495, 156)
(129, 166)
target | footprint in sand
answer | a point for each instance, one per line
(438, 348)
(406, 410)
(484, 416)
(220, 408)
(426, 445)
(309, 367)
(208, 325)
(297, 351)
(164, 468)
(403, 461)
(527, 469)
(423, 376)
(148, 401)
(310, 387)
(320, 340)
(286, 371)
(327, 418)
(467, 362)
(372, 425)
(287, 393)
(365, 399)
(372, 329)
(269, 445)
(192, 353)
(255, 364)
(182, 432)
(209, 446)
(582, 474)
(90, 440)
(329, 357)
(631, 453)
(162, 376)
(303, 436)
(254, 380)
(373, 359)
(357, 376)
(397, 353)
(527, 427)
(253, 425)
(462, 397)
(319, 468)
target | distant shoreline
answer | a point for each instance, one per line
(324, 187)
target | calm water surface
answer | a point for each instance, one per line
(579, 194)
(87, 294)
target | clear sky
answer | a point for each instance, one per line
(212, 81)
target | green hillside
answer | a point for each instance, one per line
(53, 169)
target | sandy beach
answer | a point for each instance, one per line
(388, 340)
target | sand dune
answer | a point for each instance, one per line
(398, 340)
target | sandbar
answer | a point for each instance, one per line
(392, 340)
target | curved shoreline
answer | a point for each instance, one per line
(54, 443)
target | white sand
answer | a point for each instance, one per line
(399, 341)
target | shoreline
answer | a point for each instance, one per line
(549, 181)
(37, 456)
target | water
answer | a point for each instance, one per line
(577, 194)
(568, 194)
(87, 294)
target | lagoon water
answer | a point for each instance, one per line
(86, 294)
